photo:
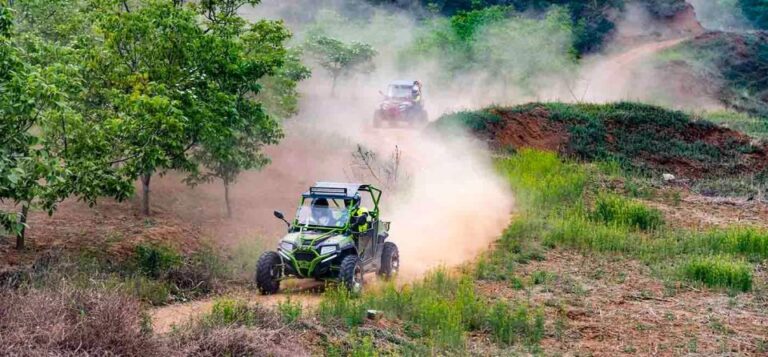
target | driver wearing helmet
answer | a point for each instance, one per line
(416, 92)
(361, 218)
(321, 213)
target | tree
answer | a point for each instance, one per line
(340, 59)
(143, 81)
(240, 58)
(39, 163)
(179, 93)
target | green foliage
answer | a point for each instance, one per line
(96, 94)
(441, 309)
(733, 61)
(338, 305)
(151, 291)
(743, 122)
(514, 324)
(155, 261)
(227, 311)
(542, 181)
(746, 242)
(289, 311)
(518, 245)
(637, 137)
(718, 271)
(614, 209)
(340, 59)
(665, 8)
(616, 225)
(496, 42)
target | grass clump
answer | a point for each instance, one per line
(614, 209)
(542, 181)
(338, 305)
(289, 311)
(518, 245)
(155, 261)
(227, 311)
(719, 271)
(511, 325)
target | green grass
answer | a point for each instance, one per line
(557, 217)
(614, 209)
(439, 312)
(290, 311)
(719, 271)
(227, 312)
(752, 126)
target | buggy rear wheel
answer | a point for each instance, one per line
(351, 274)
(268, 273)
(390, 261)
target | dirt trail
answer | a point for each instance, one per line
(306, 292)
(431, 182)
(615, 77)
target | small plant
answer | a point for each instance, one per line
(290, 311)
(719, 271)
(510, 325)
(226, 311)
(154, 261)
(338, 304)
(613, 209)
(541, 277)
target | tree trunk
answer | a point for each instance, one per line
(23, 222)
(333, 86)
(226, 199)
(145, 198)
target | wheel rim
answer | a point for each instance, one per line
(357, 280)
(395, 264)
(274, 273)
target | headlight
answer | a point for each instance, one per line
(328, 249)
(286, 246)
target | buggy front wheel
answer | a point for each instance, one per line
(351, 274)
(268, 273)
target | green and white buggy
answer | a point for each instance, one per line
(332, 239)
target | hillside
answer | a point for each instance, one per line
(638, 136)
(730, 65)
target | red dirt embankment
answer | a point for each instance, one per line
(644, 136)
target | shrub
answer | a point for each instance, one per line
(719, 271)
(73, 321)
(154, 292)
(155, 261)
(613, 209)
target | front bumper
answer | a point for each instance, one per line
(307, 263)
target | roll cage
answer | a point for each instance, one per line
(336, 194)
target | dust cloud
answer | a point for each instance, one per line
(453, 203)
(450, 204)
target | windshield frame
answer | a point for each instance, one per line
(336, 205)
(393, 88)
